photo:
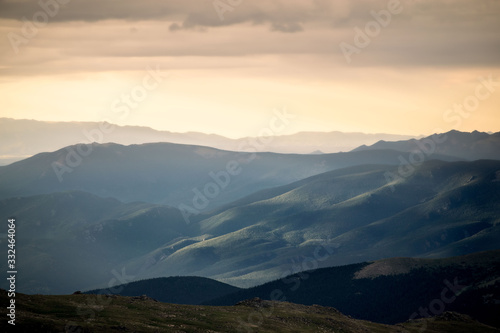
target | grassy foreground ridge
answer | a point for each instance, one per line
(109, 313)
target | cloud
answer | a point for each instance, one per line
(191, 13)
(279, 15)
(287, 27)
(90, 33)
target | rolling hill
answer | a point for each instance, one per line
(386, 291)
(177, 289)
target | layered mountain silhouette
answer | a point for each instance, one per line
(172, 174)
(23, 138)
(335, 218)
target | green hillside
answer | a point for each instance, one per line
(442, 209)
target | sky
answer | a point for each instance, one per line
(229, 67)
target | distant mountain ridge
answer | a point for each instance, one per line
(84, 236)
(469, 146)
(21, 138)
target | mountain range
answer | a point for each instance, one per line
(469, 146)
(175, 289)
(393, 290)
(171, 174)
(22, 138)
(162, 209)
(342, 216)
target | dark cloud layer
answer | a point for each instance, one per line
(288, 14)
(426, 32)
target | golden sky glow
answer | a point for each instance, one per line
(227, 76)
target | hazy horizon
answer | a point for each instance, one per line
(217, 134)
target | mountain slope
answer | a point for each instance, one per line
(66, 240)
(89, 313)
(443, 209)
(393, 290)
